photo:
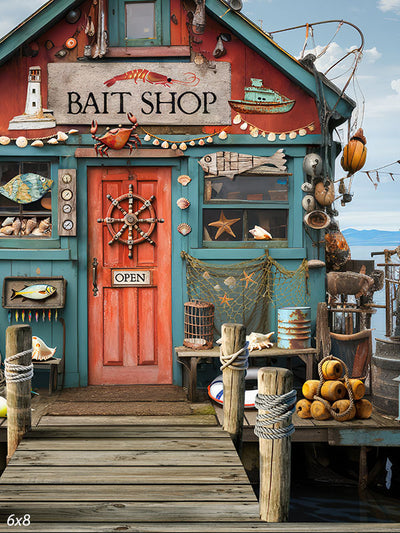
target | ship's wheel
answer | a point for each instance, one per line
(131, 220)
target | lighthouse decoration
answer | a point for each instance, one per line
(34, 117)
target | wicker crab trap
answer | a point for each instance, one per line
(199, 324)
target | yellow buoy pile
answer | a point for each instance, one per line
(334, 395)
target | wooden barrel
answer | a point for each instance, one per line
(332, 369)
(294, 328)
(303, 408)
(341, 406)
(333, 390)
(385, 366)
(319, 411)
(358, 388)
(363, 408)
(309, 388)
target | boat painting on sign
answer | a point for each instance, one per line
(259, 100)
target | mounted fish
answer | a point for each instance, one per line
(230, 164)
(34, 292)
(40, 350)
(26, 188)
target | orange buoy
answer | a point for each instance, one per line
(333, 390)
(354, 153)
(309, 388)
(303, 408)
(332, 369)
(358, 388)
(363, 408)
(319, 411)
(341, 406)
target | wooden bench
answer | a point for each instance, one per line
(53, 365)
(190, 358)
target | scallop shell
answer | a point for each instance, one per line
(38, 143)
(292, 135)
(4, 140)
(237, 119)
(184, 229)
(223, 135)
(183, 146)
(201, 142)
(61, 136)
(210, 139)
(230, 282)
(184, 179)
(183, 203)
(16, 226)
(156, 142)
(192, 143)
(21, 142)
(324, 195)
(174, 146)
(244, 126)
(271, 136)
(7, 230)
(8, 221)
(302, 132)
(164, 144)
(147, 137)
(30, 225)
(53, 140)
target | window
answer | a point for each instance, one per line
(25, 199)
(139, 23)
(232, 207)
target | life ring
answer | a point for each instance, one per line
(216, 392)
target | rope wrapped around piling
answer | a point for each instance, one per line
(237, 361)
(334, 414)
(280, 408)
(25, 372)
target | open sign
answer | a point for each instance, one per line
(131, 278)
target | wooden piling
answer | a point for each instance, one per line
(275, 458)
(233, 340)
(18, 339)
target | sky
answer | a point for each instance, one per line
(375, 87)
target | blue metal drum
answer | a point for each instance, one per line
(294, 328)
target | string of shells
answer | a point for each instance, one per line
(23, 227)
(22, 141)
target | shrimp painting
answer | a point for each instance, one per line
(154, 78)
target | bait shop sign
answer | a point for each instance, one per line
(156, 93)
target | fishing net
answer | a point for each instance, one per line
(241, 292)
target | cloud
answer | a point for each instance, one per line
(395, 85)
(389, 5)
(372, 55)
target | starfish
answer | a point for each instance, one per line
(225, 300)
(248, 278)
(224, 225)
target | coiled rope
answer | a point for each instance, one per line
(237, 361)
(280, 408)
(25, 372)
(334, 414)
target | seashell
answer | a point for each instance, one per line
(41, 352)
(21, 142)
(254, 132)
(210, 140)
(183, 203)
(164, 144)
(324, 194)
(184, 229)
(311, 127)
(72, 132)
(8, 221)
(206, 275)
(53, 140)
(258, 341)
(30, 225)
(156, 142)
(230, 282)
(184, 179)
(201, 142)
(271, 136)
(7, 230)
(147, 137)
(217, 287)
(44, 224)
(61, 136)
(223, 135)
(308, 203)
(37, 232)
(307, 187)
(315, 263)
(4, 140)
(282, 136)
(237, 119)
(260, 233)
(16, 226)
(183, 146)
(23, 225)
(292, 135)
(174, 146)
(302, 132)
(244, 126)
(37, 144)
(192, 143)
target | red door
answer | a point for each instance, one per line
(130, 337)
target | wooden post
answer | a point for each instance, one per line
(275, 460)
(18, 339)
(233, 339)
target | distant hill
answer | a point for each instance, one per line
(371, 237)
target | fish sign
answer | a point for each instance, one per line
(26, 188)
(34, 292)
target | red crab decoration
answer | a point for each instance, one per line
(116, 138)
